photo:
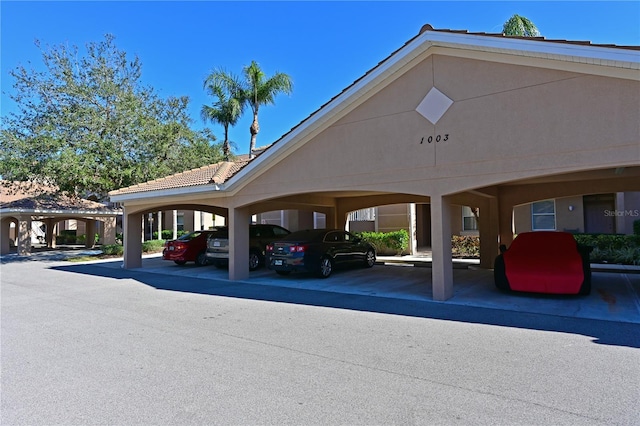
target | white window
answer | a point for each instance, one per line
(543, 215)
(469, 221)
(180, 221)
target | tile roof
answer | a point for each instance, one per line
(212, 174)
(428, 27)
(33, 197)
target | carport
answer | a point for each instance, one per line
(24, 203)
(450, 118)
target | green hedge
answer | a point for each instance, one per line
(167, 234)
(387, 242)
(152, 246)
(113, 249)
(612, 248)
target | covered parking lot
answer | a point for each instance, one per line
(450, 118)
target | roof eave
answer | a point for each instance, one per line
(60, 212)
(171, 192)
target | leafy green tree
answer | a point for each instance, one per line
(520, 26)
(254, 90)
(86, 124)
(228, 106)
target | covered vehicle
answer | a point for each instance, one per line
(544, 262)
(191, 247)
(318, 251)
(259, 236)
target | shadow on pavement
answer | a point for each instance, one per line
(601, 331)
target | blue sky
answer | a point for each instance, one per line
(323, 46)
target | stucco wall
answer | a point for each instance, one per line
(507, 122)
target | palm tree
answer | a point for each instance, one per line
(228, 106)
(520, 26)
(259, 90)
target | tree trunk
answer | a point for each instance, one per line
(254, 129)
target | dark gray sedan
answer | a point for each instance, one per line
(318, 251)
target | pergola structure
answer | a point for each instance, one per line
(23, 203)
(450, 118)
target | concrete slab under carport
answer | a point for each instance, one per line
(615, 295)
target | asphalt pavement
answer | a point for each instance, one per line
(93, 343)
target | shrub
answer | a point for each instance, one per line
(396, 241)
(67, 236)
(376, 239)
(167, 234)
(611, 248)
(152, 246)
(465, 246)
(636, 227)
(113, 249)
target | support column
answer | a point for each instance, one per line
(132, 241)
(331, 218)
(50, 236)
(239, 243)
(5, 238)
(24, 236)
(442, 271)
(109, 230)
(159, 224)
(175, 224)
(505, 220)
(489, 224)
(90, 241)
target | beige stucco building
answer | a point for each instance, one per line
(450, 119)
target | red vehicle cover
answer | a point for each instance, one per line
(544, 261)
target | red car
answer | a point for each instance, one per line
(188, 248)
(544, 262)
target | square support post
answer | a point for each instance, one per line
(132, 241)
(239, 219)
(489, 229)
(24, 236)
(442, 270)
(5, 238)
(90, 240)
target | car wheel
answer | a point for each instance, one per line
(370, 259)
(254, 261)
(283, 273)
(499, 274)
(180, 262)
(325, 267)
(202, 260)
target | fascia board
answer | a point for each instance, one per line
(44, 212)
(211, 189)
(626, 58)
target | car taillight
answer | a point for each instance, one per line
(269, 247)
(297, 249)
